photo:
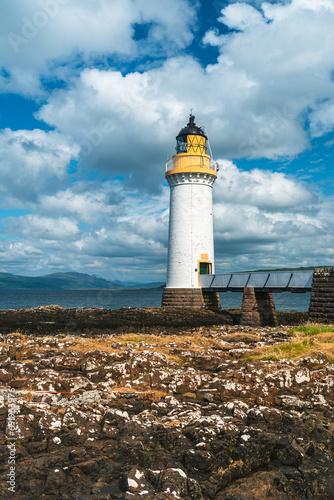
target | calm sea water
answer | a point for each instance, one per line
(115, 299)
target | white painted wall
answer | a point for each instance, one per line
(190, 227)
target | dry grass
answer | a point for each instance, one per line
(170, 424)
(156, 395)
(241, 337)
(117, 388)
(307, 340)
(192, 342)
(28, 396)
(159, 343)
(19, 335)
(83, 345)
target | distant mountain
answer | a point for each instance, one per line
(65, 281)
(135, 284)
(156, 284)
(56, 281)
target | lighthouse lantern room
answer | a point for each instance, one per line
(191, 174)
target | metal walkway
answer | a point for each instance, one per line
(275, 281)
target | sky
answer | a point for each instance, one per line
(92, 95)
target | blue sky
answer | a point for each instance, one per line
(92, 95)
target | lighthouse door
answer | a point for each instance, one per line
(205, 268)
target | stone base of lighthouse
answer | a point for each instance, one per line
(191, 297)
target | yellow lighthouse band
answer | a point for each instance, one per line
(193, 157)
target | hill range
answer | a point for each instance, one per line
(66, 281)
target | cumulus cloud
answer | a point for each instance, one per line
(322, 119)
(101, 228)
(261, 188)
(46, 228)
(15, 254)
(271, 80)
(240, 16)
(268, 93)
(87, 207)
(266, 219)
(32, 160)
(260, 218)
(213, 38)
(40, 35)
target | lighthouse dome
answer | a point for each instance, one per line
(191, 129)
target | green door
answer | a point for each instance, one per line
(204, 268)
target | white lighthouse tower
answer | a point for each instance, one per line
(191, 174)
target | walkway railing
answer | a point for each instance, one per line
(275, 281)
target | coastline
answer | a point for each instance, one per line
(51, 319)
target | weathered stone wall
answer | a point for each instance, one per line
(258, 308)
(191, 297)
(322, 296)
(212, 301)
(182, 297)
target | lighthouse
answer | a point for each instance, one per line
(191, 174)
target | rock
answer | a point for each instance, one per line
(293, 402)
(146, 361)
(259, 486)
(288, 452)
(163, 418)
(5, 375)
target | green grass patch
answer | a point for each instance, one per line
(271, 357)
(312, 330)
(294, 348)
(306, 340)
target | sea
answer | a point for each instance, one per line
(116, 299)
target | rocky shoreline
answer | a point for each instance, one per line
(145, 403)
(46, 320)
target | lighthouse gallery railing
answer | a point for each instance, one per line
(192, 161)
(274, 281)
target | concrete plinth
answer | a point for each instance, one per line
(190, 297)
(322, 296)
(258, 308)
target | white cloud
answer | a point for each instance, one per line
(16, 254)
(87, 206)
(261, 219)
(32, 160)
(255, 101)
(240, 16)
(272, 80)
(261, 188)
(322, 119)
(213, 38)
(33, 226)
(39, 35)
(265, 219)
